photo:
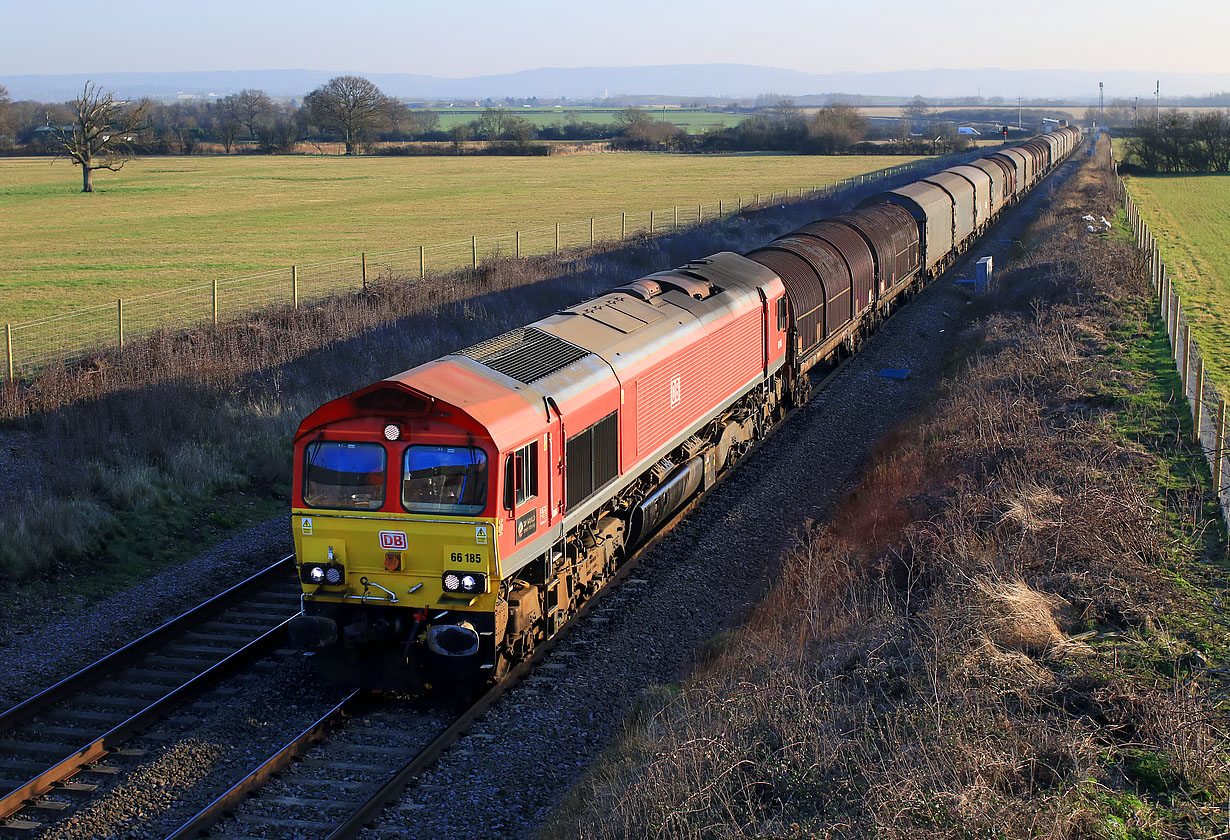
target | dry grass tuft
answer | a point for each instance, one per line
(1017, 617)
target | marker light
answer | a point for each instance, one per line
(317, 573)
(451, 582)
(392, 432)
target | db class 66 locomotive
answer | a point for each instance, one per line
(452, 517)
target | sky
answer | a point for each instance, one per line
(457, 38)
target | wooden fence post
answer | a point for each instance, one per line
(1198, 404)
(740, 198)
(1185, 378)
(119, 321)
(1164, 300)
(591, 231)
(1174, 323)
(721, 208)
(557, 237)
(700, 213)
(651, 221)
(363, 259)
(473, 253)
(294, 285)
(518, 244)
(422, 263)
(623, 225)
(676, 225)
(215, 300)
(8, 348)
(1219, 441)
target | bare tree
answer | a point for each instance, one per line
(917, 110)
(630, 118)
(491, 124)
(101, 132)
(250, 108)
(835, 128)
(351, 105)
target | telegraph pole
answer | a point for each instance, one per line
(1018, 113)
(1101, 103)
(1157, 104)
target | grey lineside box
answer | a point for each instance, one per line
(985, 267)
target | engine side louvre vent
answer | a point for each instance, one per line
(526, 354)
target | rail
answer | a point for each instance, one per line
(70, 757)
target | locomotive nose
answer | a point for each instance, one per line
(459, 639)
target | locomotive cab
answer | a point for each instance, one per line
(395, 518)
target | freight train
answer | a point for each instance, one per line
(450, 518)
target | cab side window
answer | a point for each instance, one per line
(525, 472)
(782, 318)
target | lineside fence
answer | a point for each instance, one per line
(1207, 403)
(69, 336)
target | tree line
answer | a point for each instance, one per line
(356, 112)
(784, 127)
(1179, 141)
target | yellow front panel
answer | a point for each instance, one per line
(419, 548)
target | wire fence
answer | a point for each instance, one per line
(69, 336)
(1207, 403)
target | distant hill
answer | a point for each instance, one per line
(681, 80)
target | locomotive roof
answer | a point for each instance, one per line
(502, 383)
(591, 344)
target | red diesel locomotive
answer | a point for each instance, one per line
(449, 518)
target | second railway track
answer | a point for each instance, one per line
(65, 744)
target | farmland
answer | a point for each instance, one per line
(163, 223)
(1190, 215)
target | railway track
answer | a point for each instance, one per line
(62, 746)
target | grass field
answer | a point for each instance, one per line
(1190, 216)
(163, 223)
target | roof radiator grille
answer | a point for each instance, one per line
(526, 355)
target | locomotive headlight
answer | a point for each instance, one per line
(392, 432)
(467, 583)
(322, 574)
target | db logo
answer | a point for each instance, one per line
(393, 540)
(676, 392)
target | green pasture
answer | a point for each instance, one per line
(692, 121)
(1190, 216)
(164, 223)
